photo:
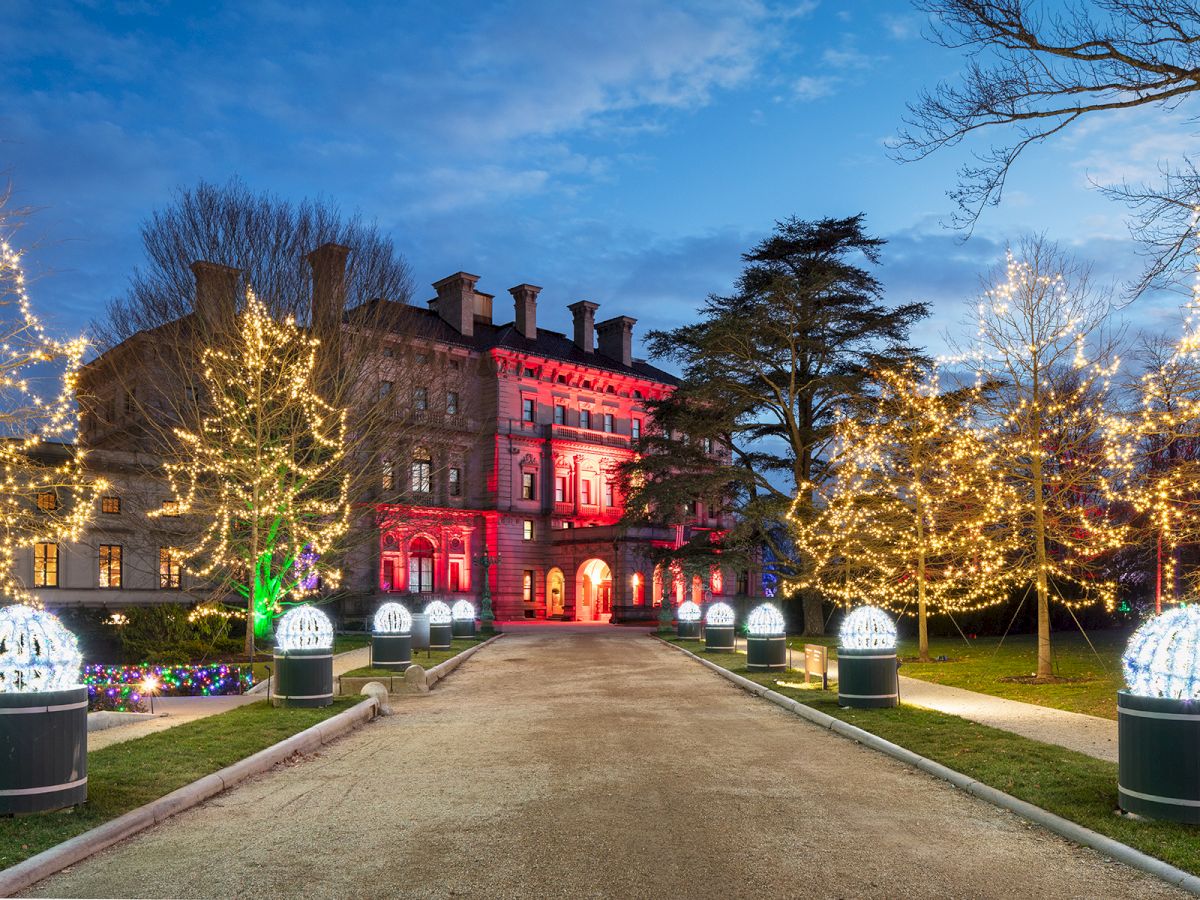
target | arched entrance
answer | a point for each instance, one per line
(556, 592)
(593, 592)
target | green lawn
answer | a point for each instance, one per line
(127, 775)
(427, 659)
(1092, 681)
(1069, 784)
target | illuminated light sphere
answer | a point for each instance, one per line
(688, 611)
(719, 614)
(393, 618)
(439, 613)
(765, 620)
(868, 628)
(37, 653)
(1163, 657)
(304, 628)
(463, 611)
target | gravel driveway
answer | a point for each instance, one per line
(587, 764)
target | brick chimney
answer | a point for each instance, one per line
(584, 313)
(455, 302)
(216, 296)
(525, 299)
(616, 339)
(329, 288)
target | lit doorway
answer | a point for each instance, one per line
(555, 593)
(593, 592)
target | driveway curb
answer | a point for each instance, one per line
(1070, 830)
(48, 862)
(442, 669)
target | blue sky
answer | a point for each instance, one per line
(621, 152)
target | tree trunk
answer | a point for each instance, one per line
(922, 611)
(1044, 669)
(814, 613)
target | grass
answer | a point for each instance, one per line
(427, 659)
(1069, 784)
(125, 776)
(1091, 684)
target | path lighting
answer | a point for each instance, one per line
(441, 625)
(1158, 719)
(43, 713)
(867, 668)
(718, 628)
(303, 658)
(463, 615)
(687, 623)
(766, 644)
(391, 642)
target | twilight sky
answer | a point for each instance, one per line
(625, 153)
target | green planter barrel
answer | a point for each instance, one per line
(1158, 757)
(688, 630)
(391, 651)
(766, 653)
(303, 678)
(43, 750)
(718, 637)
(463, 628)
(867, 679)
(440, 636)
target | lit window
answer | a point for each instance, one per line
(528, 407)
(585, 418)
(610, 494)
(420, 566)
(170, 507)
(635, 428)
(170, 568)
(421, 398)
(560, 489)
(608, 422)
(528, 486)
(45, 565)
(560, 415)
(530, 373)
(422, 472)
(389, 475)
(452, 402)
(527, 586)
(527, 530)
(110, 505)
(110, 565)
(585, 491)
(455, 482)
(47, 501)
(708, 445)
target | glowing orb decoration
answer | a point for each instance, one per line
(868, 628)
(439, 613)
(720, 614)
(393, 618)
(1163, 657)
(688, 611)
(304, 628)
(765, 620)
(36, 652)
(463, 611)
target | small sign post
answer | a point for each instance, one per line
(816, 662)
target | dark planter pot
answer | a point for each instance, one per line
(767, 653)
(303, 678)
(463, 628)
(43, 750)
(420, 631)
(718, 637)
(867, 679)
(1158, 757)
(440, 636)
(689, 631)
(391, 651)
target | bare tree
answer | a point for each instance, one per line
(1035, 69)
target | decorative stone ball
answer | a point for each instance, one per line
(393, 618)
(688, 611)
(439, 613)
(304, 628)
(37, 653)
(463, 611)
(1163, 656)
(868, 628)
(765, 620)
(719, 614)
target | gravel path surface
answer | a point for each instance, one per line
(590, 764)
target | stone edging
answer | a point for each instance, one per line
(442, 669)
(48, 862)
(400, 684)
(1070, 830)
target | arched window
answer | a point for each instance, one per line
(420, 566)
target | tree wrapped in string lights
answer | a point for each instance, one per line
(914, 511)
(264, 472)
(1045, 365)
(46, 495)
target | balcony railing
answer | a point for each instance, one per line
(587, 435)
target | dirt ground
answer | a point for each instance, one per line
(595, 763)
